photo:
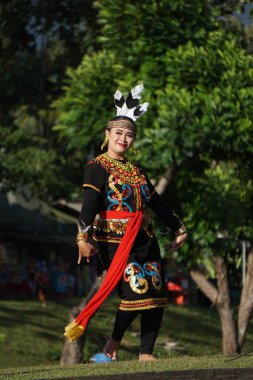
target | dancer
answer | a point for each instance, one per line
(118, 191)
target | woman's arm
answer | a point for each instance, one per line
(170, 219)
(93, 184)
(90, 206)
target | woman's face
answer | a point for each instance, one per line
(119, 140)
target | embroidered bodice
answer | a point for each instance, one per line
(123, 185)
(119, 186)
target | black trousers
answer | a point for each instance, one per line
(150, 325)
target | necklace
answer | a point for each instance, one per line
(128, 166)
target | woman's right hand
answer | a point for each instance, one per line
(85, 249)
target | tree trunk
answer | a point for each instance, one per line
(205, 286)
(229, 341)
(164, 181)
(72, 353)
(246, 303)
(220, 297)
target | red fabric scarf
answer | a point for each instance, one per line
(114, 273)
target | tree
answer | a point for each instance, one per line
(27, 164)
(149, 28)
(205, 115)
(38, 40)
(200, 116)
(87, 104)
(223, 194)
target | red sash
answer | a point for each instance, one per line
(75, 329)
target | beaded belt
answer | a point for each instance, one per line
(117, 226)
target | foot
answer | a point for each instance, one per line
(146, 357)
(111, 349)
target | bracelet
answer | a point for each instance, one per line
(182, 230)
(82, 236)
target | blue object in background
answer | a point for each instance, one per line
(100, 358)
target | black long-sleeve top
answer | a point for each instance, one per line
(111, 184)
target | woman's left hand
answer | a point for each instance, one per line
(178, 242)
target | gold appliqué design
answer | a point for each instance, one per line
(148, 303)
(135, 275)
(125, 171)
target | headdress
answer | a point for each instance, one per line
(128, 110)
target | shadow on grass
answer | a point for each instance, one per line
(33, 320)
(196, 330)
(197, 320)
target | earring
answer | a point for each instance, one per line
(104, 143)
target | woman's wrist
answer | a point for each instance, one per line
(82, 236)
(182, 230)
(81, 241)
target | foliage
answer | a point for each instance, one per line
(87, 102)
(206, 105)
(229, 6)
(136, 30)
(198, 80)
(218, 210)
(27, 164)
(197, 71)
(200, 94)
(204, 108)
(204, 121)
(38, 40)
(148, 30)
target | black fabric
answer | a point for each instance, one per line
(90, 206)
(169, 218)
(92, 200)
(94, 175)
(149, 184)
(150, 325)
(113, 185)
(151, 320)
(157, 204)
(122, 321)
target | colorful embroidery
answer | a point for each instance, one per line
(116, 198)
(114, 195)
(149, 303)
(127, 192)
(135, 275)
(117, 226)
(145, 192)
(125, 171)
(104, 228)
(153, 270)
(128, 185)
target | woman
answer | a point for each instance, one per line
(118, 190)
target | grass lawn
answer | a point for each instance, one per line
(173, 363)
(30, 336)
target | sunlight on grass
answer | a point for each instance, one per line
(179, 363)
(31, 335)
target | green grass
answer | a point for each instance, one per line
(176, 363)
(30, 335)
